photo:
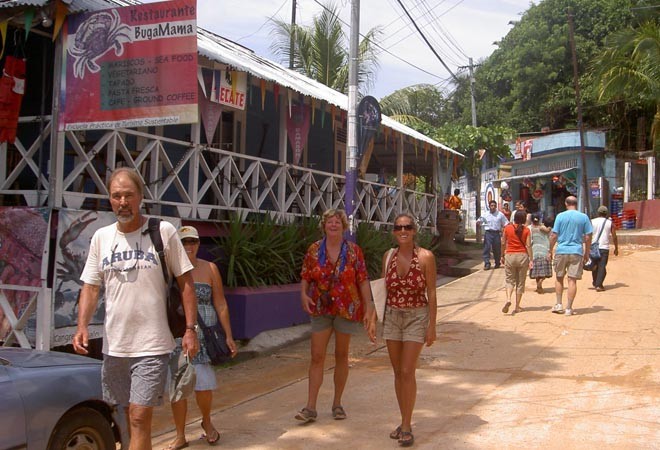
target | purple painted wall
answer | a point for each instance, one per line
(253, 310)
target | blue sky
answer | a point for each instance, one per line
(459, 29)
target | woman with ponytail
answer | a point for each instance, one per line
(517, 258)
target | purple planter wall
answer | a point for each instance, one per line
(253, 310)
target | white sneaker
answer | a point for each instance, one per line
(558, 308)
(569, 312)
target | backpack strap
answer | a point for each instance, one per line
(157, 239)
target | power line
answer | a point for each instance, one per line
(265, 22)
(426, 40)
(382, 48)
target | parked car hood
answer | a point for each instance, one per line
(27, 358)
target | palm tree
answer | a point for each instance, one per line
(321, 50)
(629, 69)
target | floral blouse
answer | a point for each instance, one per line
(335, 286)
(409, 291)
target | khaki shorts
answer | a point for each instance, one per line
(406, 324)
(320, 323)
(571, 264)
(516, 266)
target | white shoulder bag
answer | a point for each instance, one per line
(379, 290)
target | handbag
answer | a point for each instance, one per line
(589, 265)
(379, 290)
(176, 317)
(215, 341)
(182, 377)
(594, 250)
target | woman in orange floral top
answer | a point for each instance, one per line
(410, 316)
(335, 291)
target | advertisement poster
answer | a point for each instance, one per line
(23, 233)
(75, 231)
(130, 66)
(229, 88)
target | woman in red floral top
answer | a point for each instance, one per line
(410, 316)
(335, 291)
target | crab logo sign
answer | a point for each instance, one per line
(95, 37)
(131, 66)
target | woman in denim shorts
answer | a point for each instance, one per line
(336, 293)
(211, 306)
(410, 316)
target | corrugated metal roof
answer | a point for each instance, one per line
(219, 49)
(222, 50)
(74, 7)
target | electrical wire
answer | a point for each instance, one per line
(265, 22)
(384, 49)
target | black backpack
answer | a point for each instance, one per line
(176, 318)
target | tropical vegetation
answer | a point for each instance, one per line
(320, 51)
(259, 251)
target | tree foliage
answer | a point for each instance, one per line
(527, 82)
(628, 71)
(321, 50)
(422, 107)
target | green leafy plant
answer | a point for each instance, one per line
(259, 251)
(374, 243)
(262, 252)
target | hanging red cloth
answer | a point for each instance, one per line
(12, 88)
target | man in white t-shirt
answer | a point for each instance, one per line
(137, 340)
(607, 237)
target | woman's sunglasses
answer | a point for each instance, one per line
(406, 227)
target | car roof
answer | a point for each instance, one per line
(29, 358)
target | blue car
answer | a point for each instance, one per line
(52, 400)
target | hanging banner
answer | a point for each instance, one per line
(130, 66)
(23, 233)
(228, 88)
(369, 118)
(211, 113)
(297, 127)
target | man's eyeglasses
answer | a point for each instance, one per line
(406, 227)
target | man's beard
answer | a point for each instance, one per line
(124, 219)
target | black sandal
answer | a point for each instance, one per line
(396, 434)
(406, 439)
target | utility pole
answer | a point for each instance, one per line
(477, 203)
(292, 42)
(473, 101)
(583, 160)
(351, 153)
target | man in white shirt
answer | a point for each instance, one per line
(493, 222)
(607, 237)
(137, 340)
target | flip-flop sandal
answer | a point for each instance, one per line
(306, 415)
(210, 438)
(505, 309)
(406, 439)
(396, 434)
(177, 447)
(338, 413)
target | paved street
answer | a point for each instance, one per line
(533, 380)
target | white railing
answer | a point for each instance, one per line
(191, 181)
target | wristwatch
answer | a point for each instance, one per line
(193, 327)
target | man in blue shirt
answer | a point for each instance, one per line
(493, 222)
(572, 234)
